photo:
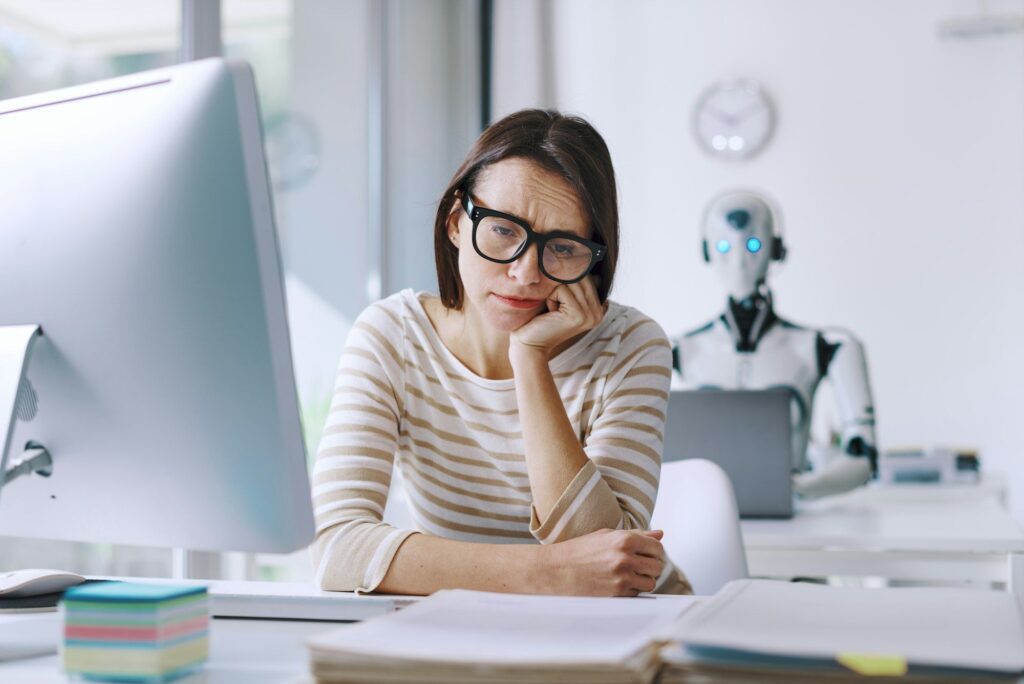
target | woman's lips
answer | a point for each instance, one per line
(518, 303)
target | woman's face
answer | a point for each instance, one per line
(507, 296)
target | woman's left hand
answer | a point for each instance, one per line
(572, 310)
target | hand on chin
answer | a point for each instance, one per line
(571, 311)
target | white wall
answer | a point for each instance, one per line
(898, 162)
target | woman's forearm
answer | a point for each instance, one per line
(553, 452)
(425, 564)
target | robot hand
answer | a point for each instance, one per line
(840, 475)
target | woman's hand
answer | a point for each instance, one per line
(603, 563)
(572, 310)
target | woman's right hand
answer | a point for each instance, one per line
(603, 563)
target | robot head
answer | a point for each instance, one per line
(741, 239)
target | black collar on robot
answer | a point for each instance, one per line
(748, 320)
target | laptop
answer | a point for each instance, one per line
(747, 433)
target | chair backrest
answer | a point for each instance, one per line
(697, 509)
(398, 511)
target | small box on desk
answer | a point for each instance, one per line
(124, 631)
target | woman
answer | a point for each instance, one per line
(521, 405)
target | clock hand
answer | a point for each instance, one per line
(720, 115)
(756, 107)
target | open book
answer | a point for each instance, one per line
(457, 635)
(798, 632)
(771, 631)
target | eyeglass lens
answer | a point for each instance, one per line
(563, 258)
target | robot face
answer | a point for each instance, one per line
(738, 232)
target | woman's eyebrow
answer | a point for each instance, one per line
(555, 231)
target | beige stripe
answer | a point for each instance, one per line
(363, 408)
(640, 392)
(661, 371)
(452, 393)
(356, 450)
(367, 474)
(629, 358)
(631, 425)
(622, 465)
(381, 340)
(620, 486)
(465, 441)
(393, 316)
(348, 496)
(452, 412)
(471, 529)
(464, 476)
(577, 370)
(469, 510)
(417, 473)
(357, 429)
(649, 410)
(385, 389)
(447, 455)
(624, 335)
(631, 444)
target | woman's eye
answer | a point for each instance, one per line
(565, 250)
(503, 231)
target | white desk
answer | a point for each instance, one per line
(250, 651)
(905, 532)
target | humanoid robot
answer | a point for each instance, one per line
(749, 347)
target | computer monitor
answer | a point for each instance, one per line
(136, 228)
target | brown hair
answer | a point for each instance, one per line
(564, 145)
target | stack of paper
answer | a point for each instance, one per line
(459, 636)
(795, 632)
(134, 632)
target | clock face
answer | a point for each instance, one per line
(733, 120)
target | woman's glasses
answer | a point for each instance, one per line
(503, 238)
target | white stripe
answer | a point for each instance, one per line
(356, 504)
(358, 439)
(325, 464)
(458, 535)
(461, 518)
(328, 487)
(486, 469)
(378, 556)
(643, 485)
(592, 482)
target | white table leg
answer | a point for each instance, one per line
(1015, 573)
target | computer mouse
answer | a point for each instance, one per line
(21, 583)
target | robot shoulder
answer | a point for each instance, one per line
(706, 328)
(837, 335)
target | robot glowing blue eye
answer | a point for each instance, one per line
(753, 245)
(722, 246)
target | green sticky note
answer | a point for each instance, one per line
(874, 664)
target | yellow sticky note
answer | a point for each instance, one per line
(874, 664)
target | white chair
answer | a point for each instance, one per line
(697, 509)
(398, 511)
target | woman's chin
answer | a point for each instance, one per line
(509, 320)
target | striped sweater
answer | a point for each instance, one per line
(402, 396)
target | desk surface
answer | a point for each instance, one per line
(954, 518)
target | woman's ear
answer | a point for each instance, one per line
(454, 214)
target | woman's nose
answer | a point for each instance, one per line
(526, 268)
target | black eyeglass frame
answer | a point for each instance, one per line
(477, 214)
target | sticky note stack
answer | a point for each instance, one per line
(135, 632)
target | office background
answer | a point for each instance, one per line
(898, 161)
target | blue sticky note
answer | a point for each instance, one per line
(131, 592)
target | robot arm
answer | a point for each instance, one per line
(846, 368)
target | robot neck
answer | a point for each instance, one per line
(749, 319)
